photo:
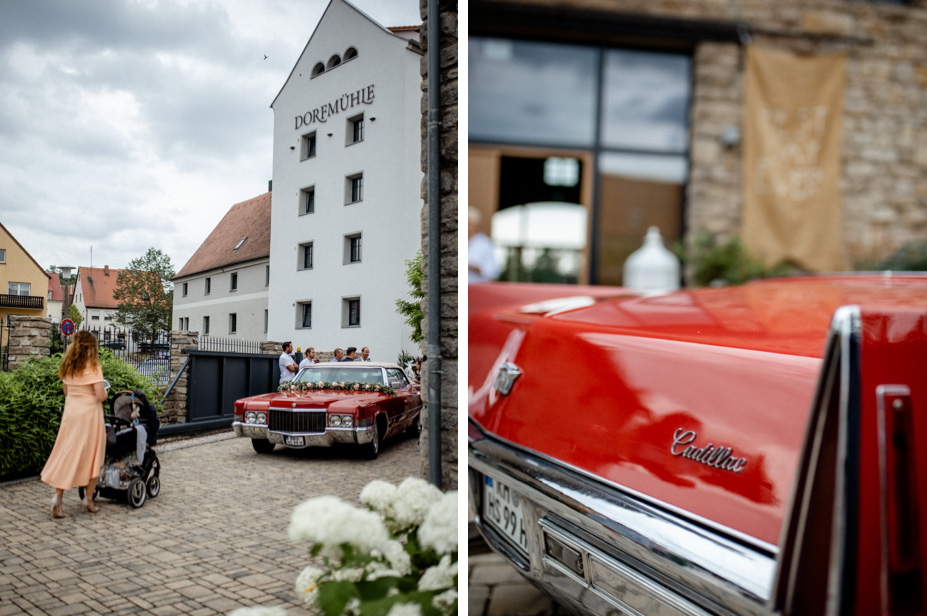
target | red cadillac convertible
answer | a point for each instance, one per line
(745, 450)
(361, 403)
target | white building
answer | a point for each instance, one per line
(347, 187)
(222, 290)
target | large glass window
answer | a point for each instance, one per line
(532, 92)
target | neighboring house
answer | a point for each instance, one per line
(222, 289)
(347, 179)
(55, 298)
(93, 296)
(23, 282)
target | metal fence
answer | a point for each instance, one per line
(229, 345)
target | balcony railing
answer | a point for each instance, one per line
(29, 302)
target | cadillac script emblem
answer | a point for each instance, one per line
(710, 455)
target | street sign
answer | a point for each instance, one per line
(67, 327)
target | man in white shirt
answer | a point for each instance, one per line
(309, 359)
(288, 366)
(365, 354)
(481, 262)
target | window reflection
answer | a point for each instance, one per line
(531, 92)
(645, 101)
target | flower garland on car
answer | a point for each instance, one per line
(398, 558)
(337, 386)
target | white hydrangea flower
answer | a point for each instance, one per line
(439, 529)
(307, 585)
(258, 611)
(445, 600)
(414, 497)
(348, 574)
(379, 495)
(405, 609)
(440, 576)
(353, 606)
(331, 521)
(376, 570)
(397, 557)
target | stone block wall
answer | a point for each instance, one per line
(29, 337)
(448, 283)
(175, 406)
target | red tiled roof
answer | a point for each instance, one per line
(54, 285)
(97, 285)
(248, 219)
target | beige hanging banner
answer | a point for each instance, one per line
(793, 133)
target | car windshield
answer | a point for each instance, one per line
(338, 374)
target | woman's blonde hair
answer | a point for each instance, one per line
(82, 352)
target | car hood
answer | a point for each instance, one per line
(697, 400)
(310, 399)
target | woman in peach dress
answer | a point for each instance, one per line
(77, 456)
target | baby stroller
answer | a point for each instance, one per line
(131, 468)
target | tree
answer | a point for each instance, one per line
(145, 294)
(74, 315)
(412, 311)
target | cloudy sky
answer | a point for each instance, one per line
(130, 124)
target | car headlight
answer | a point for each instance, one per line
(249, 417)
(334, 421)
(262, 418)
(347, 421)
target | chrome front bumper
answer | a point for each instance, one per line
(603, 550)
(360, 435)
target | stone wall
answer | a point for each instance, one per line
(448, 282)
(29, 337)
(175, 406)
(884, 158)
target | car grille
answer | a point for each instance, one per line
(297, 421)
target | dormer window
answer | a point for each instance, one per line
(238, 245)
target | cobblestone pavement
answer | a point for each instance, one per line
(212, 541)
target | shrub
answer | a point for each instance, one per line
(31, 403)
(713, 263)
(912, 257)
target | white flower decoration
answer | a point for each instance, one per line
(440, 576)
(439, 529)
(405, 609)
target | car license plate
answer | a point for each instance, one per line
(502, 510)
(294, 441)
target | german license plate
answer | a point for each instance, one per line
(295, 441)
(502, 510)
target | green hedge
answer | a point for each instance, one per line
(31, 403)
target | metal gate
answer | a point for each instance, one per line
(216, 379)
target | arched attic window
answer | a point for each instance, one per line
(318, 69)
(333, 62)
(350, 54)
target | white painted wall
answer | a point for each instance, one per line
(249, 302)
(389, 215)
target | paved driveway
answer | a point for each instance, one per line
(212, 541)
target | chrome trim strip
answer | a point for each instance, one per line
(708, 569)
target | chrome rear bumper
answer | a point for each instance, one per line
(598, 549)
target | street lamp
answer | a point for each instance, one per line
(66, 272)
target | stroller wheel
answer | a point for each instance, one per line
(136, 494)
(154, 486)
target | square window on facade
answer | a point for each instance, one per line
(354, 188)
(352, 247)
(355, 133)
(303, 315)
(208, 286)
(184, 289)
(307, 146)
(94, 315)
(233, 282)
(2, 255)
(205, 326)
(307, 200)
(350, 312)
(305, 256)
(233, 323)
